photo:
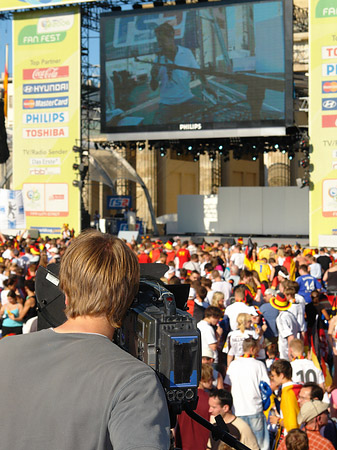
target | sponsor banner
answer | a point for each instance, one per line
(329, 52)
(47, 115)
(45, 133)
(322, 124)
(51, 117)
(329, 121)
(44, 170)
(329, 104)
(118, 201)
(12, 215)
(329, 87)
(45, 200)
(43, 103)
(329, 70)
(45, 88)
(46, 73)
(15, 5)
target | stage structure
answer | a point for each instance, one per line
(90, 21)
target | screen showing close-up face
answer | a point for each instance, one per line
(206, 71)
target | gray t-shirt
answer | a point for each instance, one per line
(78, 392)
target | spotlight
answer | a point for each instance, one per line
(212, 156)
(78, 183)
(141, 146)
(255, 156)
(196, 158)
(304, 163)
(162, 151)
(291, 155)
(276, 146)
(302, 182)
(78, 166)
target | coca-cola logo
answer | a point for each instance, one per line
(46, 73)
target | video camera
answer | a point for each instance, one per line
(154, 330)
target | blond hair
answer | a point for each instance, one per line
(297, 346)
(206, 372)
(242, 321)
(99, 274)
(217, 296)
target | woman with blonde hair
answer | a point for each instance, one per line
(233, 345)
(218, 300)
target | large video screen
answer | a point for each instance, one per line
(222, 69)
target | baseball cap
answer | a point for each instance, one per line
(207, 353)
(252, 311)
(310, 410)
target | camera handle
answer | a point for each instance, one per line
(219, 431)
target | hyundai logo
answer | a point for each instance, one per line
(329, 104)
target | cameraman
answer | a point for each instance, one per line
(71, 388)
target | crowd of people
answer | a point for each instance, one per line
(268, 336)
(267, 326)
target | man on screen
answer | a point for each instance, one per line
(176, 98)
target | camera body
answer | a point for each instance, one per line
(154, 330)
(167, 339)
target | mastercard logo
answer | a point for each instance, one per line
(28, 103)
(329, 86)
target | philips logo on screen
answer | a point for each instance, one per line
(190, 126)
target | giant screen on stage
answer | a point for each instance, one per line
(202, 70)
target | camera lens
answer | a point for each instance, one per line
(189, 394)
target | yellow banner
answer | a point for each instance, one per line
(323, 119)
(14, 5)
(46, 48)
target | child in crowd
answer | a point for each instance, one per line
(233, 345)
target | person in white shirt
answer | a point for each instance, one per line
(234, 342)
(244, 375)
(221, 285)
(239, 306)
(304, 370)
(237, 258)
(206, 327)
(315, 269)
(286, 323)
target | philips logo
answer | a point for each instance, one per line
(329, 104)
(190, 126)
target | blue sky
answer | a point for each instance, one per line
(6, 38)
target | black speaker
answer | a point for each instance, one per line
(4, 152)
(50, 300)
(197, 240)
(230, 240)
